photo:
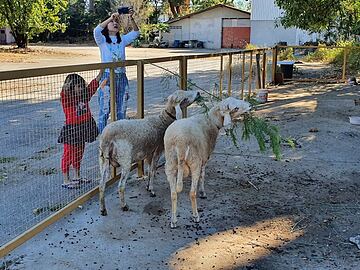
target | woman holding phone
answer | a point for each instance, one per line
(112, 45)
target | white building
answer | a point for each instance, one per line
(264, 32)
(217, 27)
(5, 36)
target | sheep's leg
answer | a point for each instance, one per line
(152, 171)
(202, 192)
(195, 175)
(172, 182)
(121, 188)
(105, 172)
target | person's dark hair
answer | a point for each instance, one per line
(105, 32)
(70, 82)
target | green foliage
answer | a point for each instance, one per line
(27, 19)
(339, 19)
(262, 131)
(147, 31)
(202, 4)
(250, 47)
(287, 54)
(336, 55)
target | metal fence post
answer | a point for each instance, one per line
(183, 77)
(230, 75)
(140, 105)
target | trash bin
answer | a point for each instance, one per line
(176, 43)
(287, 68)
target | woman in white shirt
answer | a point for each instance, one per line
(112, 49)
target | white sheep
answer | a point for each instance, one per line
(188, 145)
(125, 142)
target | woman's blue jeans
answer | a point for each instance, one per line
(122, 95)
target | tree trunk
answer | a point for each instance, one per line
(91, 5)
(173, 10)
(21, 40)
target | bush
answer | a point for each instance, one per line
(287, 54)
(336, 56)
(250, 46)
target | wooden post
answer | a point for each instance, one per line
(250, 73)
(112, 95)
(243, 75)
(183, 77)
(112, 106)
(344, 64)
(221, 76)
(258, 72)
(274, 63)
(140, 106)
(230, 75)
(264, 66)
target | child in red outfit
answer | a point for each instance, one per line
(79, 127)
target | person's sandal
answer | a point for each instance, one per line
(83, 180)
(71, 185)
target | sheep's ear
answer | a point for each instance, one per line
(178, 111)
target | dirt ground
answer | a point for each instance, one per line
(297, 213)
(59, 55)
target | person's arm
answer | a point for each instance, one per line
(94, 85)
(133, 23)
(98, 36)
(131, 36)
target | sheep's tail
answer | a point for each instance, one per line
(181, 156)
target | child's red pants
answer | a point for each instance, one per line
(73, 155)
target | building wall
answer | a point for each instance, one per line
(265, 33)
(9, 36)
(264, 10)
(206, 27)
(264, 16)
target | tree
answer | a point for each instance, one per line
(341, 17)
(202, 4)
(28, 18)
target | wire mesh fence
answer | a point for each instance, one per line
(35, 161)
(31, 118)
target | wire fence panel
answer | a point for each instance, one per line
(160, 81)
(31, 118)
(46, 129)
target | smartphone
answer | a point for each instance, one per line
(123, 10)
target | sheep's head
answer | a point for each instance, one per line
(181, 99)
(232, 109)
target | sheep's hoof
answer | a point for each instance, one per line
(196, 219)
(103, 212)
(173, 225)
(125, 208)
(152, 194)
(202, 195)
